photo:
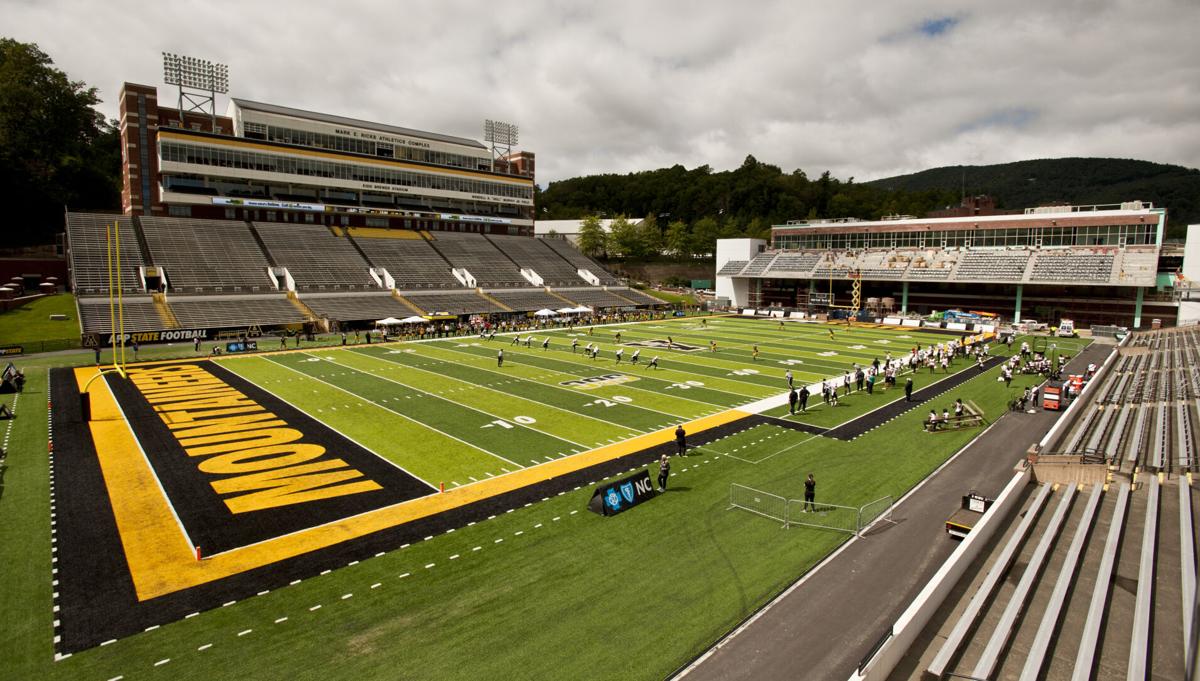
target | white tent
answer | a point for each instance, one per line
(565, 310)
(387, 322)
(545, 313)
(412, 320)
(581, 309)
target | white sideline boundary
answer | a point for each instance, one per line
(825, 561)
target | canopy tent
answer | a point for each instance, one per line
(387, 322)
(412, 320)
(565, 310)
(581, 309)
(545, 313)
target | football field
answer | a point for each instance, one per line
(208, 488)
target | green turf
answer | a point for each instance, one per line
(564, 593)
(30, 324)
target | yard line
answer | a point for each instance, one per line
(426, 392)
(498, 392)
(407, 418)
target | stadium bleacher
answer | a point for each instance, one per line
(88, 248)
(537, 256)
(989, 264)
(316, 258)
(485, 262)
(759, 264)
(594, 297)
(732, 267)
(452, 302)
(1072, 265)
(799, 263)
(140, 314)
(580, 261)
(638, 297)
(526, 300)
(207, 256)
(214, 311)
(413, 263)
(365, 306)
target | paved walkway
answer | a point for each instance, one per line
(825, 624)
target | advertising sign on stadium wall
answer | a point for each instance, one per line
(105, 340)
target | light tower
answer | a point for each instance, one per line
(199, 81)
(502, 136)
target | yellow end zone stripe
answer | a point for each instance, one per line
(161, 562)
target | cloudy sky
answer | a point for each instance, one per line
(864, 89)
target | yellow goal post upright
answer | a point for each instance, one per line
(116, 313)
(855, 305)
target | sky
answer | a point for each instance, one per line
(862, 89)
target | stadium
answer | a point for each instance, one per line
(348, 417)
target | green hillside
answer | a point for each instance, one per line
(1078, 181)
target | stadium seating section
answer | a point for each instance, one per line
(86, 236)
(533, 253)
(801, 263)
(223, 273)
(991, 265)
(580, 261)
(315, 257)
(201, 256)
(412, 262)
(233, 311)
(141, 314)
(1072, 266)
(732, 267)
(484, 261)
(363, 307)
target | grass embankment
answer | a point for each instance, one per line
(30, 324)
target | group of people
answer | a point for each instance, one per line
(936, 423)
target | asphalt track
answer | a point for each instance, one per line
(830, 621)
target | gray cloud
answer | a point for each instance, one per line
(862, 89)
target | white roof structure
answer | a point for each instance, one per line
(570, 228)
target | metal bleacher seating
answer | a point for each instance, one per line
(452, 302)
(365, 306)
(485, 262)
(537, 256)
(795, 262)
(580, 261)
(207, 256)
(213, 311)
(992, 265)
(1072, 265)
(315, 257)
(638, 297)
(525, 300)
(141, 314)
(759, 264)
(88, 247)
(731, 268)
(412, 262)
(595, 297)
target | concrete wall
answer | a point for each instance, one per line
(1191, 254)
(736, 290)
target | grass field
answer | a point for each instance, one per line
(544, 591)
(30, 324)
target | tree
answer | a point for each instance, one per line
(624, 240)
(679, 239)
(650, 238)
(592, 239)
(704, 236)
(56, 150)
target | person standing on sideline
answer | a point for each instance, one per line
(343, 338)
(788, 376)
(97, 355)
(653, 363)
(792, 399)
(908, 389)
(680, 441)
(500, 357)
(282, 342)
(196, 344)
(135, 349)
(664, 471)
(804, 399)
(810, 493)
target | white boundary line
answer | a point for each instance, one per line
(827, 560)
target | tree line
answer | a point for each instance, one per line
(683, 212)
